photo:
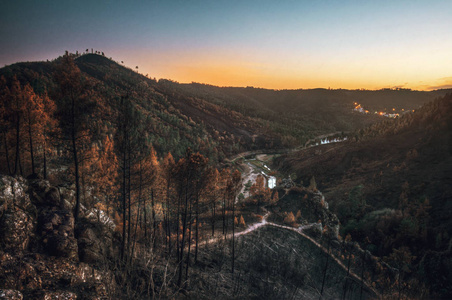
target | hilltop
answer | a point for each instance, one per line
(173, 122)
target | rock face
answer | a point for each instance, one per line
(42, 251)
(57, 233)
(17, 215)
(321, 212)
(95, 241)
(47, 277)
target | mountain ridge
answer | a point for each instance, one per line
(306, 112)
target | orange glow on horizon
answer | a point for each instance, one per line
(242, 75)
(223, 68)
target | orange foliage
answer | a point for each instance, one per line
(289, 219)
(259, 191)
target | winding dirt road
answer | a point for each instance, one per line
(298, 231)
(251, 174)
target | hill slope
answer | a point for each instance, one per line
(227, 120)
(303, 114)
(392, 188)
(123, 179)
(174, 122)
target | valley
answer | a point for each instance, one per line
(156, 189)
(252, 164)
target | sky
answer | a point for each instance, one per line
(281, 44)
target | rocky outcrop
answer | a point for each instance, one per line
(39, 276)
(328, 218)
(43, 253)
(56, 228)
(17, 215)
(95, 240)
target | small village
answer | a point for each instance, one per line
(393, 114)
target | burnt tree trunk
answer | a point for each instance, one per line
(7, 152)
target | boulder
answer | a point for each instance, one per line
(57, 233)
(58, 238)
(336, 244)
(38, 190)
(17, 228)
(43, 194)
(62, 246)
(95, 215)
(52, 196)
(38, 249)
(314, 230)
(67, 198)
(95, 240)
(13, 194)
(90, 250)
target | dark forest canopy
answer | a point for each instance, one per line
(228, 120)
(390, 188)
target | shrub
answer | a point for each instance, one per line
(289, 219)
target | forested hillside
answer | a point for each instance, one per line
(109, 173)
(216, 121)
(116, 176)
(164, 125)
(391, 189)
(298, 115)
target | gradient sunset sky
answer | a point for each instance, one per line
(269, 44)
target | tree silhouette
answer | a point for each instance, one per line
(167, 178)
(5, 120)
(17, 107)
(75, 107)
(235, 186)
(259, 192)
(50, 128)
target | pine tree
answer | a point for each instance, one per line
(258, 190)
(298, 215)
(75, 107)
(242, 221)
(191, 178)
(131, 148)
(107, 173)
(289, 219)
(33, 113)
(50, 129)
(312, 184)
(224, 179)
(236, 179)
(214, 192)
(167, 171)
(17, 98)
(5, 122)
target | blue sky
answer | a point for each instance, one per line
(272, 44)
